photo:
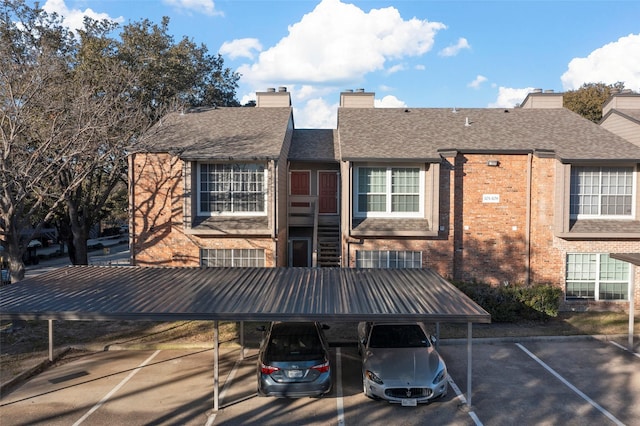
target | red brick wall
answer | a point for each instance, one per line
(158, 218)
(490, 237)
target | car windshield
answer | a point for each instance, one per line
(398, 336)
(294, 342)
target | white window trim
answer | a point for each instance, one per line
(388, 213)
(596, 280)
(217, 213)
(634, 190)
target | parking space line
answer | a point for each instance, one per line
(463, 400)
(625, 349)
(114, 390)
(211, 418)
(339, 399)
(570, 386)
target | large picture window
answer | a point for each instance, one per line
(597, 277)
(232, 189)
(390, 259)
(601, 192)
(389, 191)
(231, 258)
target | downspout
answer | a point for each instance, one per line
(527, 279)
(275, 212)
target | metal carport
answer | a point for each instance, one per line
(241, 294)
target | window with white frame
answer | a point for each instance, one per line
(389, 191)
(231, 258)
(235, 189)
(597, 276)
(390, 259)
(601, 192)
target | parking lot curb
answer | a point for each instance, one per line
(7, 386)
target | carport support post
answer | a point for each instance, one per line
(50, 340)
(469, 339)
(242, 340)
(631, 312)
(216, 362)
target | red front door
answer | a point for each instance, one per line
(328, 192)
(300, 184)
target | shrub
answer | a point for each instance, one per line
(514, 303)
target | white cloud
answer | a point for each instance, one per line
(420, 67)
(333, 47)
(509, 97)
(389, 101)
(475, 84)
(396, 68)
(207, 7)
(74, 18)
(240, 48)
(316, 114)
(456, 48)
(338, 42)
(608, 64)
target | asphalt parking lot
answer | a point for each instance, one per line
(543, 382)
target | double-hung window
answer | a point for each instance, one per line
(232, 189)
(389, 191)
(601, 192)
(597, 277)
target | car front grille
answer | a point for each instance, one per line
(408, 392)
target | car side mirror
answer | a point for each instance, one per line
(433, 339)
(325, 326)
(261, 328)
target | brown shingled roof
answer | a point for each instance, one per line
(421, 133)
(314, 145)
(221, 133)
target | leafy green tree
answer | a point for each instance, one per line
(588, 99)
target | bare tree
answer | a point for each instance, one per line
(36, 149)
(72, 105)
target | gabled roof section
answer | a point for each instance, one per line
(314, 145)
(630, 114)
(237, 133)
(405, 134)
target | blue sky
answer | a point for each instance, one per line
(415, 53)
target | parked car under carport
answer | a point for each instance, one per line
(240, 294)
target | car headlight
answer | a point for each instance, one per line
(372, 376)
(440, 376)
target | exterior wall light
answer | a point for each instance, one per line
(493, 163)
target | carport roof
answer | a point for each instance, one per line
(240, 294)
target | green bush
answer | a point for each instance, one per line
(515, 303)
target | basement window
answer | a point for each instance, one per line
(388, 259)
(231, 258)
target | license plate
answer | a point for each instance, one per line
(409, 402)
(294, 374)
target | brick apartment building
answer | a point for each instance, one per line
(533, 194)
